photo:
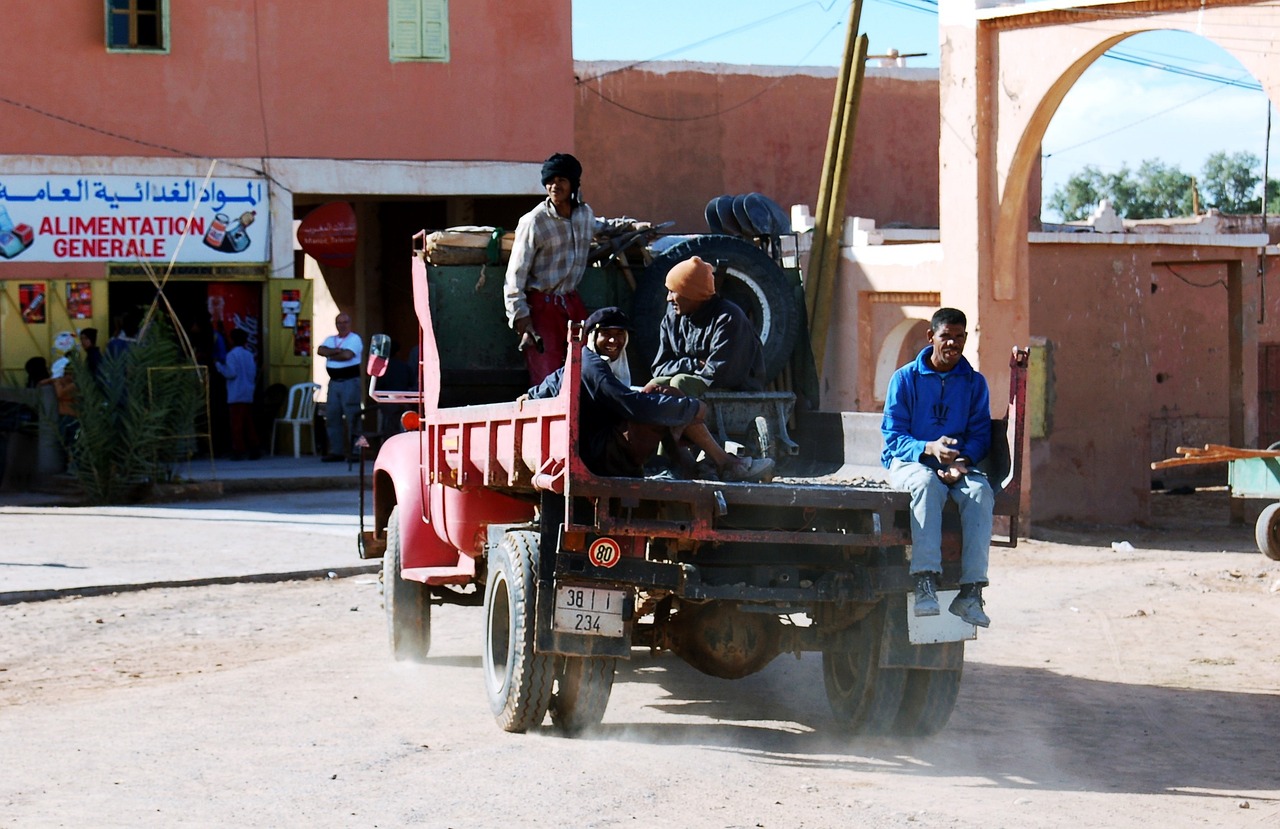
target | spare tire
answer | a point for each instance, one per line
(753, 282)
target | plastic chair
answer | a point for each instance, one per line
(299, 411)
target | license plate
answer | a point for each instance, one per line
(589, 610)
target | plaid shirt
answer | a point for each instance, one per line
(549, 254)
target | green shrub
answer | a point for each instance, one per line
(137, 418)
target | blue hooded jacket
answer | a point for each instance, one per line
(924, 404)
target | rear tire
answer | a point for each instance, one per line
(927, 702)
(864, 697)
(583, 686)
(408, 603)
(517, 679)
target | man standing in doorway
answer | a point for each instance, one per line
(937, 427)
(342, 353)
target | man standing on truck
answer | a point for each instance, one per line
(341, 353)
(937, 426)
(620, 427)
(548, 259)
(705, 341)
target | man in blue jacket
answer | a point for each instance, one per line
(937, 427)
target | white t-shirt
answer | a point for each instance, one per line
(352, 341)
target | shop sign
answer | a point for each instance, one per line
(328, 234)
(130, 218)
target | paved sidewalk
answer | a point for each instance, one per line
(271, 519)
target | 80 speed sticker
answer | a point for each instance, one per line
(604, 552)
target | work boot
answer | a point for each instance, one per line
(968, 605)
(927, 595)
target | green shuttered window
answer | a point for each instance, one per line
(419, 30)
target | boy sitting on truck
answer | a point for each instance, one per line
(621, 427)
(937, 426)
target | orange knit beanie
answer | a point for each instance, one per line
(692, 279)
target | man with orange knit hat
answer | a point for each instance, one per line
(705, 341)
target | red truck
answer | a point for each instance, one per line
(490, 505)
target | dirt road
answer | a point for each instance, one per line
(1115, 688)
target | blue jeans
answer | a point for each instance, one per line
(343, 404)
(972, 493)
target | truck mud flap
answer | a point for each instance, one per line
(896, 650)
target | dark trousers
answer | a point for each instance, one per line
(244, 437)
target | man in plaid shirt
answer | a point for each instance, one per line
(548, 259)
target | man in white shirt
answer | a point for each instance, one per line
(342, 353)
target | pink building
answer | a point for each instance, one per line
(410, 111)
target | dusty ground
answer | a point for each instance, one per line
(1114, 689)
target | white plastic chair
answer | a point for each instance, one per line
(299, 411)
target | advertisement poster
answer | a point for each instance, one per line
(235, 305)
(290, 306)
(79, 300)
(302, 339)
(133, 218)
(31, 298)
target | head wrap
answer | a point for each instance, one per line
(562, 164)
(692, 279)
(610, 317)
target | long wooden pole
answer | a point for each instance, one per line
(820, 322)
(826, 182)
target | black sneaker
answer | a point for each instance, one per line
(926, 595)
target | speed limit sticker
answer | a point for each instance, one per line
(604, 552)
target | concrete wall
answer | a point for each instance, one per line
(654, 147)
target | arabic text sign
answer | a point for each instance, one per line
(126, 218)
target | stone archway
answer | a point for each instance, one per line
(1005, 70)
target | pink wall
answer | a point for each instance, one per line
(1137, 372)
(328, 88)
(650, 152)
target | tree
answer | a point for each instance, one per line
(1229, 183)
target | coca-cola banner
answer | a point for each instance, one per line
(128, 218)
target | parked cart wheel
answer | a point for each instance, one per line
(518, 680)
(583, 686)
(927, 702)
(408, 603)
(1267, 532)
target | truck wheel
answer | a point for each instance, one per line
(927, 702)
(861, 693)
(754, 283)
(518, 680)
(408, 603)
(1267, 532)
(583, 685)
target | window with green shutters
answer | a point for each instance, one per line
(419, 30)
(137, 26)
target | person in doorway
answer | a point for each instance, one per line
(241, 371)
(621, 428)
(549, 257)
(92, 354)
(705, 341)
(342, 353)
(937, 427)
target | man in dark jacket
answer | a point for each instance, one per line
(705, 341)
(937, 426)
(621, 427)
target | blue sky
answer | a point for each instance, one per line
(1123, 110)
